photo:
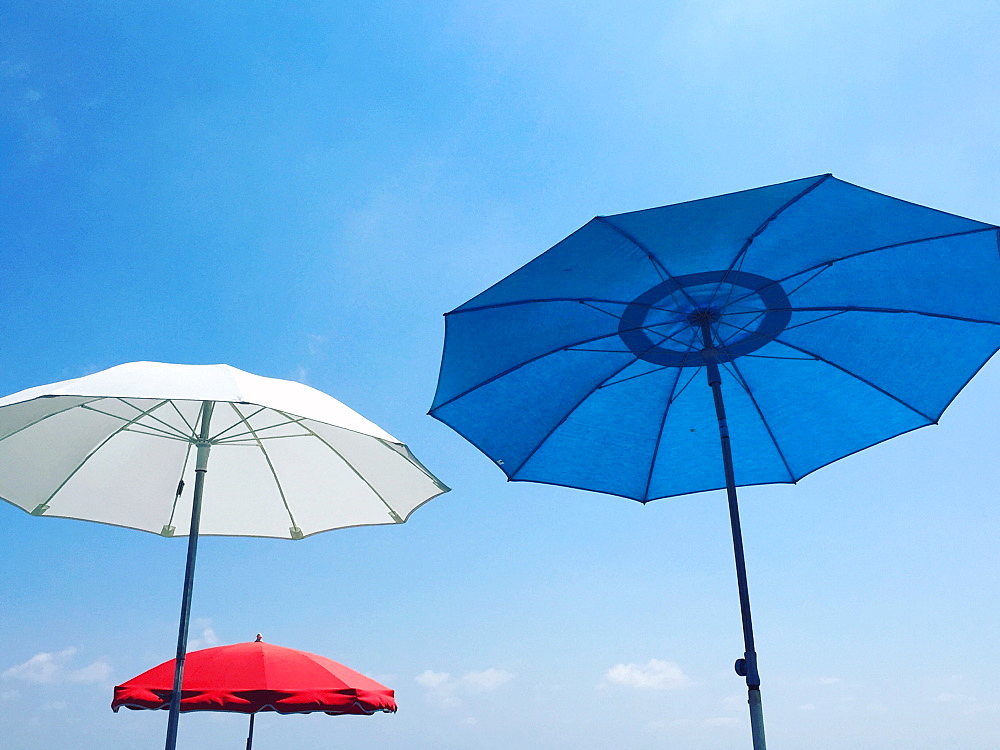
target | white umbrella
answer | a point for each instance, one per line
(119, 447)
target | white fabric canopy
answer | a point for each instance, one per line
(286, 460)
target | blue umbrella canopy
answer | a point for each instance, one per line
(839, 317)
(824, 317)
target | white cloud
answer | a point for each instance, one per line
(447, 691)
(488, 679)
(47, 668)
(807, 707)
(830, 680)
(207, 639)
(654, 675)
(431, 679)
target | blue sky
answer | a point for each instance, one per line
(302, 189)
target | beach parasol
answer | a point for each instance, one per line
(122, 445)
(249, 678)
(824, 318)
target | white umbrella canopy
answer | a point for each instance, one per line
(119, 446)
(287, 460)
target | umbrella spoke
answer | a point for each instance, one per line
(854, 375)
(180, 487)
(857, 308)
(733, 370)
(893, 246)
(184, 419)
(254, 431)
(691, 377)
(530, 360)
(392, 512)
(48, 416)
(44, 505)
(814, 273)
(216, 437)
(566, 416)
(168, 429)
(657, 264)
(659, 434)
(815, 320)
(270, 466)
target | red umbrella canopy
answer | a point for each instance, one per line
(251, 677)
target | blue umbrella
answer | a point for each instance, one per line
(825, 318)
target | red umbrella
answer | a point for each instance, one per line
(251, 677)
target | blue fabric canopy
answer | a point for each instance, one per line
(839, 317)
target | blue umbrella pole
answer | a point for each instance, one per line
(201, 467)
(747, 666)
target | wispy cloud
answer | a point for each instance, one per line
(47, 668)
(656, 674)
(206, 638)
(447, 690)
(720, 721)
(488, 679)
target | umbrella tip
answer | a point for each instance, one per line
(259, 638)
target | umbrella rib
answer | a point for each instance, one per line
(738, 376)
(167, 431)
(566, 416)
(216, 437)
(746, 245)
(587, 303)
(270, 466)
(184, 419)
(256, 432)
(867, 382)
(104, 442)
(741, 256)
(659, 434)
(509, 370)
(569, 413)
(817, 269)
(350, 466)
(877, 250)
(815, 320)
(657, 263)
(858, 308)
(177, 495)
(50, 415)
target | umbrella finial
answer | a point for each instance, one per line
(259, 638)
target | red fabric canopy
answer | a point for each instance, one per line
(251, 677)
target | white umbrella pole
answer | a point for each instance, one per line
(201, 467)
(747, 666)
